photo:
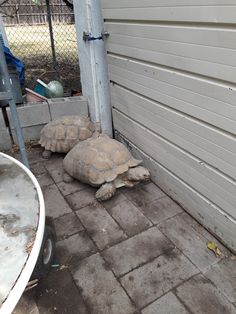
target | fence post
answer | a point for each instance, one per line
(54, 60)
(17, 15)
(93, 63)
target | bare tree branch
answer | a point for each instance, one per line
(7, 14)
(68, 3)
(4, 1)
(4, 12)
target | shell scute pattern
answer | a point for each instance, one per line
(62, 134)
(98, 160)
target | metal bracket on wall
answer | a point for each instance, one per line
(88, 36)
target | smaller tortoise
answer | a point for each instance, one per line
(62, 134)
(103, 162)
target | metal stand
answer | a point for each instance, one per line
(8, 95)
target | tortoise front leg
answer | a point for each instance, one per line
(106, 191)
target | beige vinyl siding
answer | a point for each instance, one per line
(172, 11)
(172, 67)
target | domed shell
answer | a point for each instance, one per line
(62, 134)
(98, 160)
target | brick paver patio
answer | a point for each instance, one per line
(136, 253)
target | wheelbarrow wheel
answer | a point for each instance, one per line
(46, 255)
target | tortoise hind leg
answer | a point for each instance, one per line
(106, 191)
(46, 154)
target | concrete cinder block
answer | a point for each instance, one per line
(29, 133)
(68, 106)
(2, 122)
(31, 114)
(5, 139)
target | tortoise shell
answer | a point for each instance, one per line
(62, 134)
(98, 160)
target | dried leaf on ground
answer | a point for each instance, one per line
(28, 145)
(214, 247)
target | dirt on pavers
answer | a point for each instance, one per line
(59, 294)
(27, 304)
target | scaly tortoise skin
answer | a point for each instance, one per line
(62, 134)
(103, 162)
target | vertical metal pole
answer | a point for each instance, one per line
(17, 14)
(15, 118)
(2, 30)
(93, 62)
(54, 60)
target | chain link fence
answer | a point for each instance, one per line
(43, 36)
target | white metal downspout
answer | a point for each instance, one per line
(93, 62)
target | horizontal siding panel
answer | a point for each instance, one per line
(218, 63)
(114, 4)
(201, 177)
(202, 36)
(194, 13)
(211, 146)
(172, 68)
(202, 99)
(201, 208)
(217, 56)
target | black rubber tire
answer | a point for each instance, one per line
(43, 264)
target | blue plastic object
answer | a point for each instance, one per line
(14, 114)
(40, 89)
(12, 60)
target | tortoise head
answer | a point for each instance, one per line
(138, 173)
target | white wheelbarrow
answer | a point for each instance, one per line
(26, 244)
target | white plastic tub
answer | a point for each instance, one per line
(22, 222)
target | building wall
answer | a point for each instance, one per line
(172, 66)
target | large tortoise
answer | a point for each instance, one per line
(62, 134)
(103, 162)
